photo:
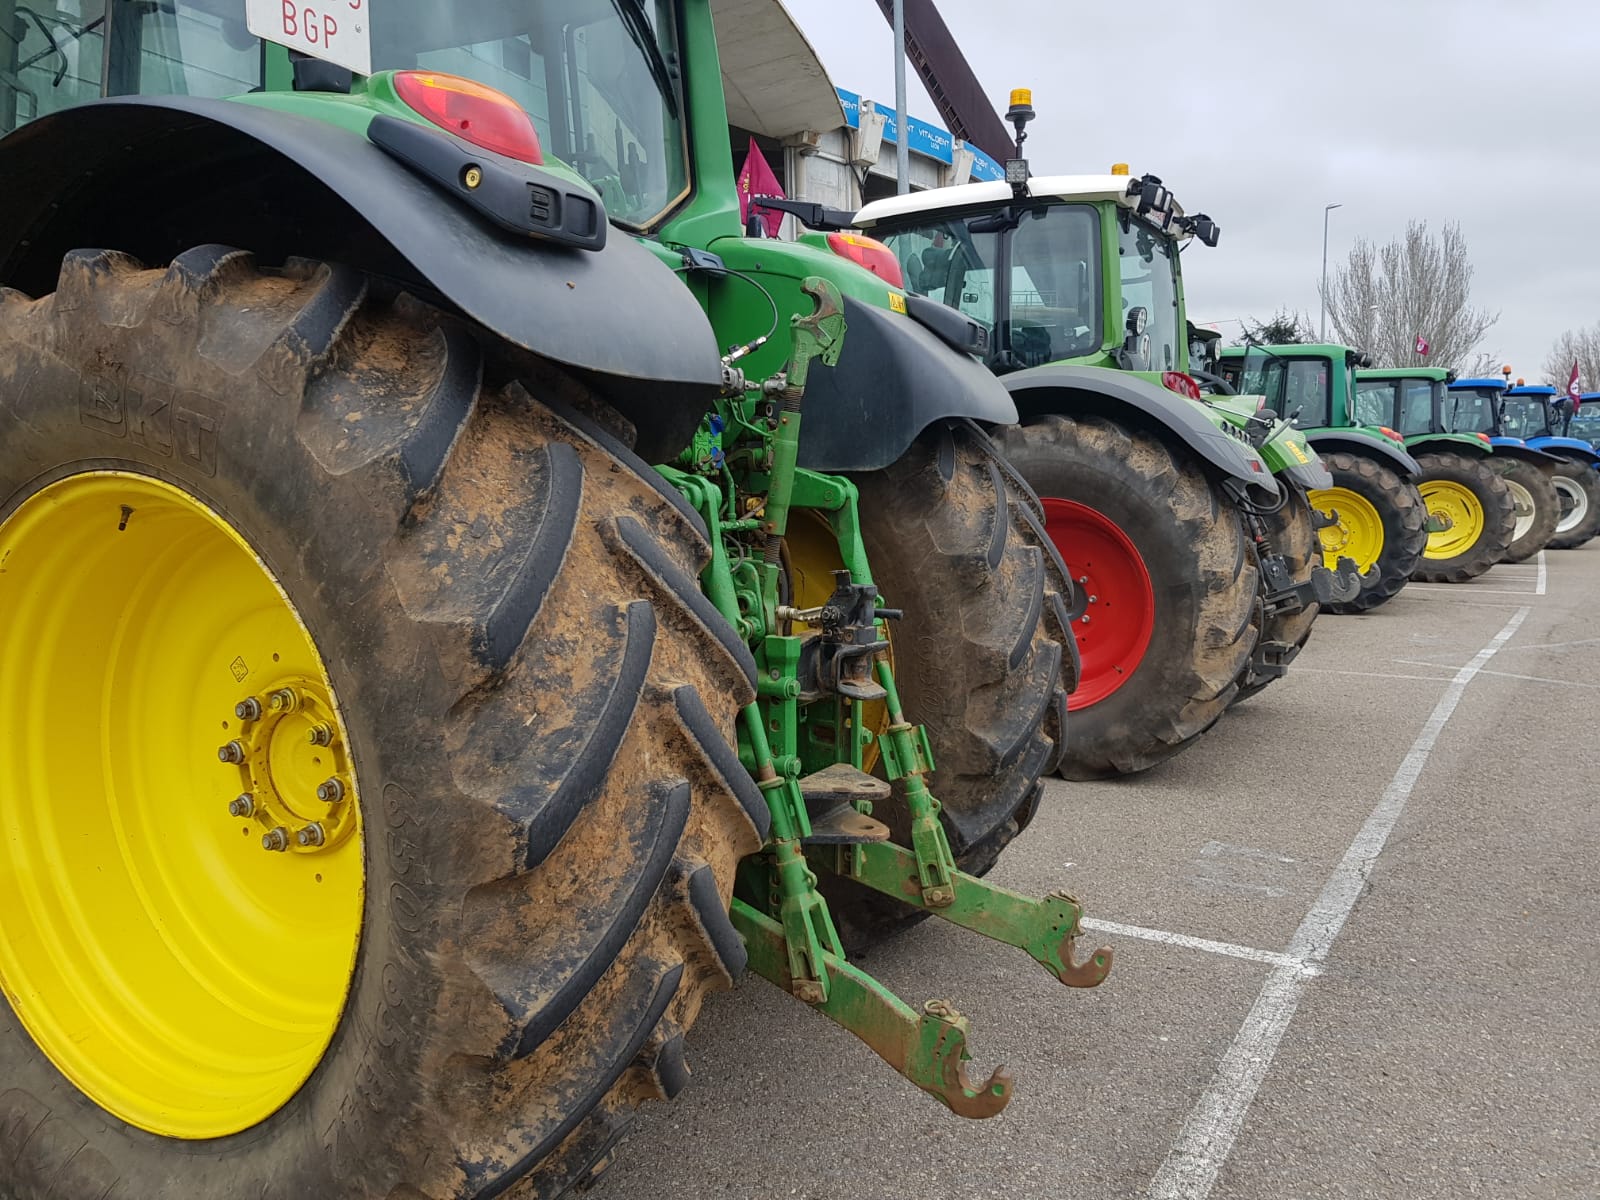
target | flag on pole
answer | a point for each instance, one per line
(1422, 345)
(1572, 386)
(756, 179)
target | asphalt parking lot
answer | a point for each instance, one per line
(1356, 938)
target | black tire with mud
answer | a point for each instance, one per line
(1290, 532)
(978, 657)
(1404, 517)
(1546, 506)
(1499, 516)
(1586, 478)
(1203, 576)
(540, 704)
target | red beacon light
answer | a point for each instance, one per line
(869, 253)
(489, 119)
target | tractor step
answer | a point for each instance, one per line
(831, 797)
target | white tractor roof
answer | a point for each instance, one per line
(1064, 187)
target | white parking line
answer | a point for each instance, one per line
(1167, 938)
(1202, 1146)
(1373, 674)
(1539, 590)
(1467, 589)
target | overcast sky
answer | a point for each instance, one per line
(1483, 112)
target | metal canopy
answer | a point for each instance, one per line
(775, 83)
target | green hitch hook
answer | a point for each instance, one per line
(928, 1048)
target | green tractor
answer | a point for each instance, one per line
(1372, 512)
(392, 756)
(1184, 525)
(1458, 481)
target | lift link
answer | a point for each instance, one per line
(929, 1049)
(908, 760)
(1045, 930)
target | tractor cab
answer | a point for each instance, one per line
(1079, 269)
(1312, 385)
(1474, 406)
(1585, 423)
(1543, 417)
(1416, 403)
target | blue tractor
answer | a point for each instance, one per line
(1522, 423)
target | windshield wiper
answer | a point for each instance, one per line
(643, 34)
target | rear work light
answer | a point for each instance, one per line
(489, 119)
(869, 253)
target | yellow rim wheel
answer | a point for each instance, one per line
(1447, 498)
(1358, 533)
(165, 722)
(813, 558)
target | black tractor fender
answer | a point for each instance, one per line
(1445, 445)
(894, 379)
(1069, 390)
(156, 175)
(1353, 441)
(1539, 458)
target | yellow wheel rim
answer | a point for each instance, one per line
(1358, 534)
(813, 558)
(182, 975)
(1446, 498)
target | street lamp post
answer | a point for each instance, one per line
(1322, 333)
(902, 143)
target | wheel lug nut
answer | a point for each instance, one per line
(311, 835)
(277, 840)
(330, 791)
(319, 735)
(233, 752)
(248, 709)
(1094, 599)
(243, 806)
(1083, 579)
(283, 700)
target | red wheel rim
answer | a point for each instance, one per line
(1115, 612)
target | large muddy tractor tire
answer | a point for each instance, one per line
(956, 545)
(1381, 525)
(1164, 588)
(366, 773)
(1285, 634)
(1482, 514)
(1537, 505)
(1577, 485)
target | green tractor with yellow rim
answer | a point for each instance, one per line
(1458, 483)
(462, 600)
(1373, 512)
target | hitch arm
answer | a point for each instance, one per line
(929, 1049)
(1045, 930)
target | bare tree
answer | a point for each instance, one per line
(1581, 346)
(1386, 296)
(1481, 366)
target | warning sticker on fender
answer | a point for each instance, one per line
(335, 31)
